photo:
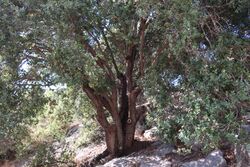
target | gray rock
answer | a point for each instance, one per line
(145, 158)
(242, 157)
(214, 159)
(138, 161)
(151, 133)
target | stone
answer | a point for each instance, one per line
(138, 161)
(214, 159)
(149, 157)
(151, 133)
(241, 155)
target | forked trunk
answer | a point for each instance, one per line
(119, 134)
(112, 139)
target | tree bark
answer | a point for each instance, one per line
(120, 103)
(119, 134)
(111, 140)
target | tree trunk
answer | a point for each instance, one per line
(129, 135)
(119, 134)
(112, 140)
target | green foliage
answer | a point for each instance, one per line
(202, 93)
(210, 105)
(18, 105)
(64, 108)
(43, 156)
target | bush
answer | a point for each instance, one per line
(207, 104)
(65, 108)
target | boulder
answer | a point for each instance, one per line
(241, 155)
(214, 159)
(151, 156)
(138, 161)
(151, 133)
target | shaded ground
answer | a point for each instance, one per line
(147, 151)
(156, 153)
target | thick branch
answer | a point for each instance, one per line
(123, 111)
(130, 66)
(103, 64)
(111, 52)
(96, 101)
(143, 26)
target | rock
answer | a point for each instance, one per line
(214, 159)
(241, 155)
(87, 153)
(73, 132)
(151, 133)
(246, 128)
(138, 161)
(149, 157)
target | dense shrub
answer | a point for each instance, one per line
(67, 106)
(207, 106)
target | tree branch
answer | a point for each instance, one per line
(111, 52)
(143, 26)
(130, 66)
(96, 101)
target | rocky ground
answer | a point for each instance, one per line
(150, 152)
(156, 153)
